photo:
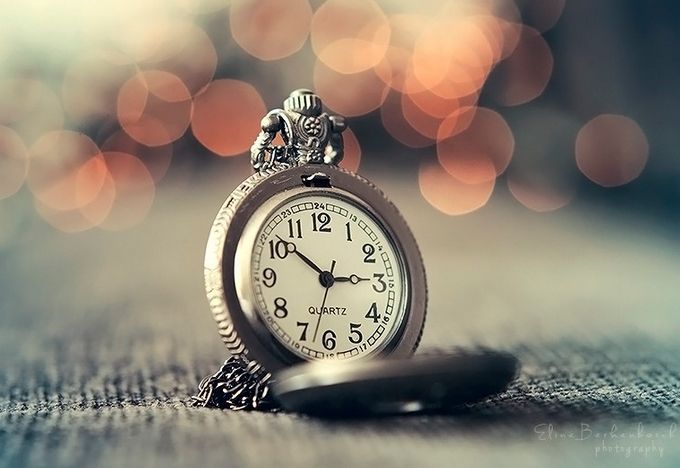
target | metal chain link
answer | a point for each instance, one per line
(237, 385)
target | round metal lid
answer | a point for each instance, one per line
(393, 386)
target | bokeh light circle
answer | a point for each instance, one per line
(134, 30)
(448, 194)
(543, 14)
(511, 33)
(187, 52)
(401, 77)
(433, 104)
(95, 177)
(453, 57)
(134, 191)
(350, 36)
(123, 194)
(541, 200)
(394, 122)
(68, 221)
(524, 75)
(227, 116)
(94, 194)
(157, 159)
(56, 161)
(349, 95)
(611, 150)
(154, 107)
(270, 29)
(419, 119)
(352, 158)
(13, 162)
(456, 122)
(542, 175)
(479, 153)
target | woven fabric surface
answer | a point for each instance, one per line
(104, 336)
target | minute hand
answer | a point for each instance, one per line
(303, 257)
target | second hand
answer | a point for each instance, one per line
(323, 303)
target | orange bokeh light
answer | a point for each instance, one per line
(543, 14)
(13, 162)
(270, 29)
(542, 175)
(479, 153)
(420, 120)
(154, 107)
(453, 57)
(352, 158)
(492, 28)
(456, 122)
(436, 117)
(524, 75)
(401, 77)
(56, 162)
(187, 52)
(227, 116)
(448, 194)
(350, 36)
(511, 32)
(134, 192)
(350, 95)
(89, 186)
(116, 193)
(157, 159)
(611, 150)
(392, 116)
(433, 104)
(95, 210)
(138, 36)
(405, 30)
(541, 199)
(69, 221)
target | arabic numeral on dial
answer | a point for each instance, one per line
(355, 335)
(373, 313)
(295, 228)
(349, 232)
(280, 249)
(269, 276)
(280, 310)
(303, 335)
(381, 286)
(320, 222)
(329, 340)
(369, 251)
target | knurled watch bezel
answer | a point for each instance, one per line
(227, 259)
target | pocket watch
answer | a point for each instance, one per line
(307, 261)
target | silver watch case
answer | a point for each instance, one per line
(229, 249)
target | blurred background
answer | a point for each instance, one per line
(548, 102)
(532, 146)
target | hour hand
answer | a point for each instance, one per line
(303, 257)
(354, 279)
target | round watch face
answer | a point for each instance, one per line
(327, 278)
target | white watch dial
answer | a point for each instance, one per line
(327, 279)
